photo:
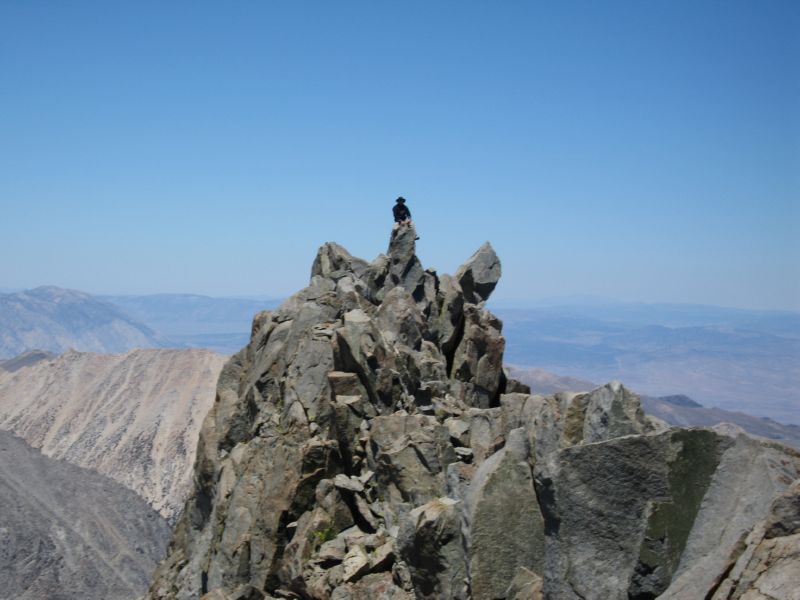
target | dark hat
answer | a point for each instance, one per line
(401, 199)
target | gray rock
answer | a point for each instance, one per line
(356, 563)
(479, 275)
(365, 513)
(758, 473)
(243, 592)
(516, 387)
(332, 501)
(409, 454)
(400, 320)
(351, 484)
(784, 516)
(596, 510)
(367, 443)
(526, 585)
(458, 429)
(332, 551)
(309, 532)
(430, 544)
(486, 434)
(465, 453)
(359, 347)
(506, 528)
(383, 558)
(767, 568)
(613, 411)
(447, 322)
(405, 269)
(333, 261)
(477, 363)
(378, 586)
(607, 412)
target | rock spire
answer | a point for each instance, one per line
(367, 444)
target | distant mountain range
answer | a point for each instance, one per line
(25, 360)
(176, 315)
(71, 533)
(194, 321)
(734, 359)
(55, 320)
(676, 411)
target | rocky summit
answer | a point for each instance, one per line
(368, 444)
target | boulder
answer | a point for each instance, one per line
(750, 475)
(355, 564)
(766, 564)
(409, 455)
(784, 515)
(400, 320)
(478, 360)
(334, 261)
(430, 544)
(405, 269)
(505, 525)
(379, 586)
(479, 275)
(526, 585)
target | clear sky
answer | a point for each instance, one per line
(636, 150)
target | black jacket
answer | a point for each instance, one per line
(401, 212)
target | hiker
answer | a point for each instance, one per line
(402, 216)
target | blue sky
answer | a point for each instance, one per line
(637, 150)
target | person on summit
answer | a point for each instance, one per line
(402, 216)
(401, 213)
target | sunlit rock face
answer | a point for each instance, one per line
(134, 417)
(367, 443)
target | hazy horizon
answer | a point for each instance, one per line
(732, 358)
(565, 301)
(644, 152)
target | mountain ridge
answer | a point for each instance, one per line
(367, 443)
(134, 417)
(55, 319)
(178, 315)
(730, 364)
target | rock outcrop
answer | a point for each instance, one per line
(367, 443)
(134, 417)
(677, 410)
(70, 533)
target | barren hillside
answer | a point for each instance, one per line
(69, 533)
(134, 417)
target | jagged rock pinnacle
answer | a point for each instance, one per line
(364, 445)
(405, 269)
